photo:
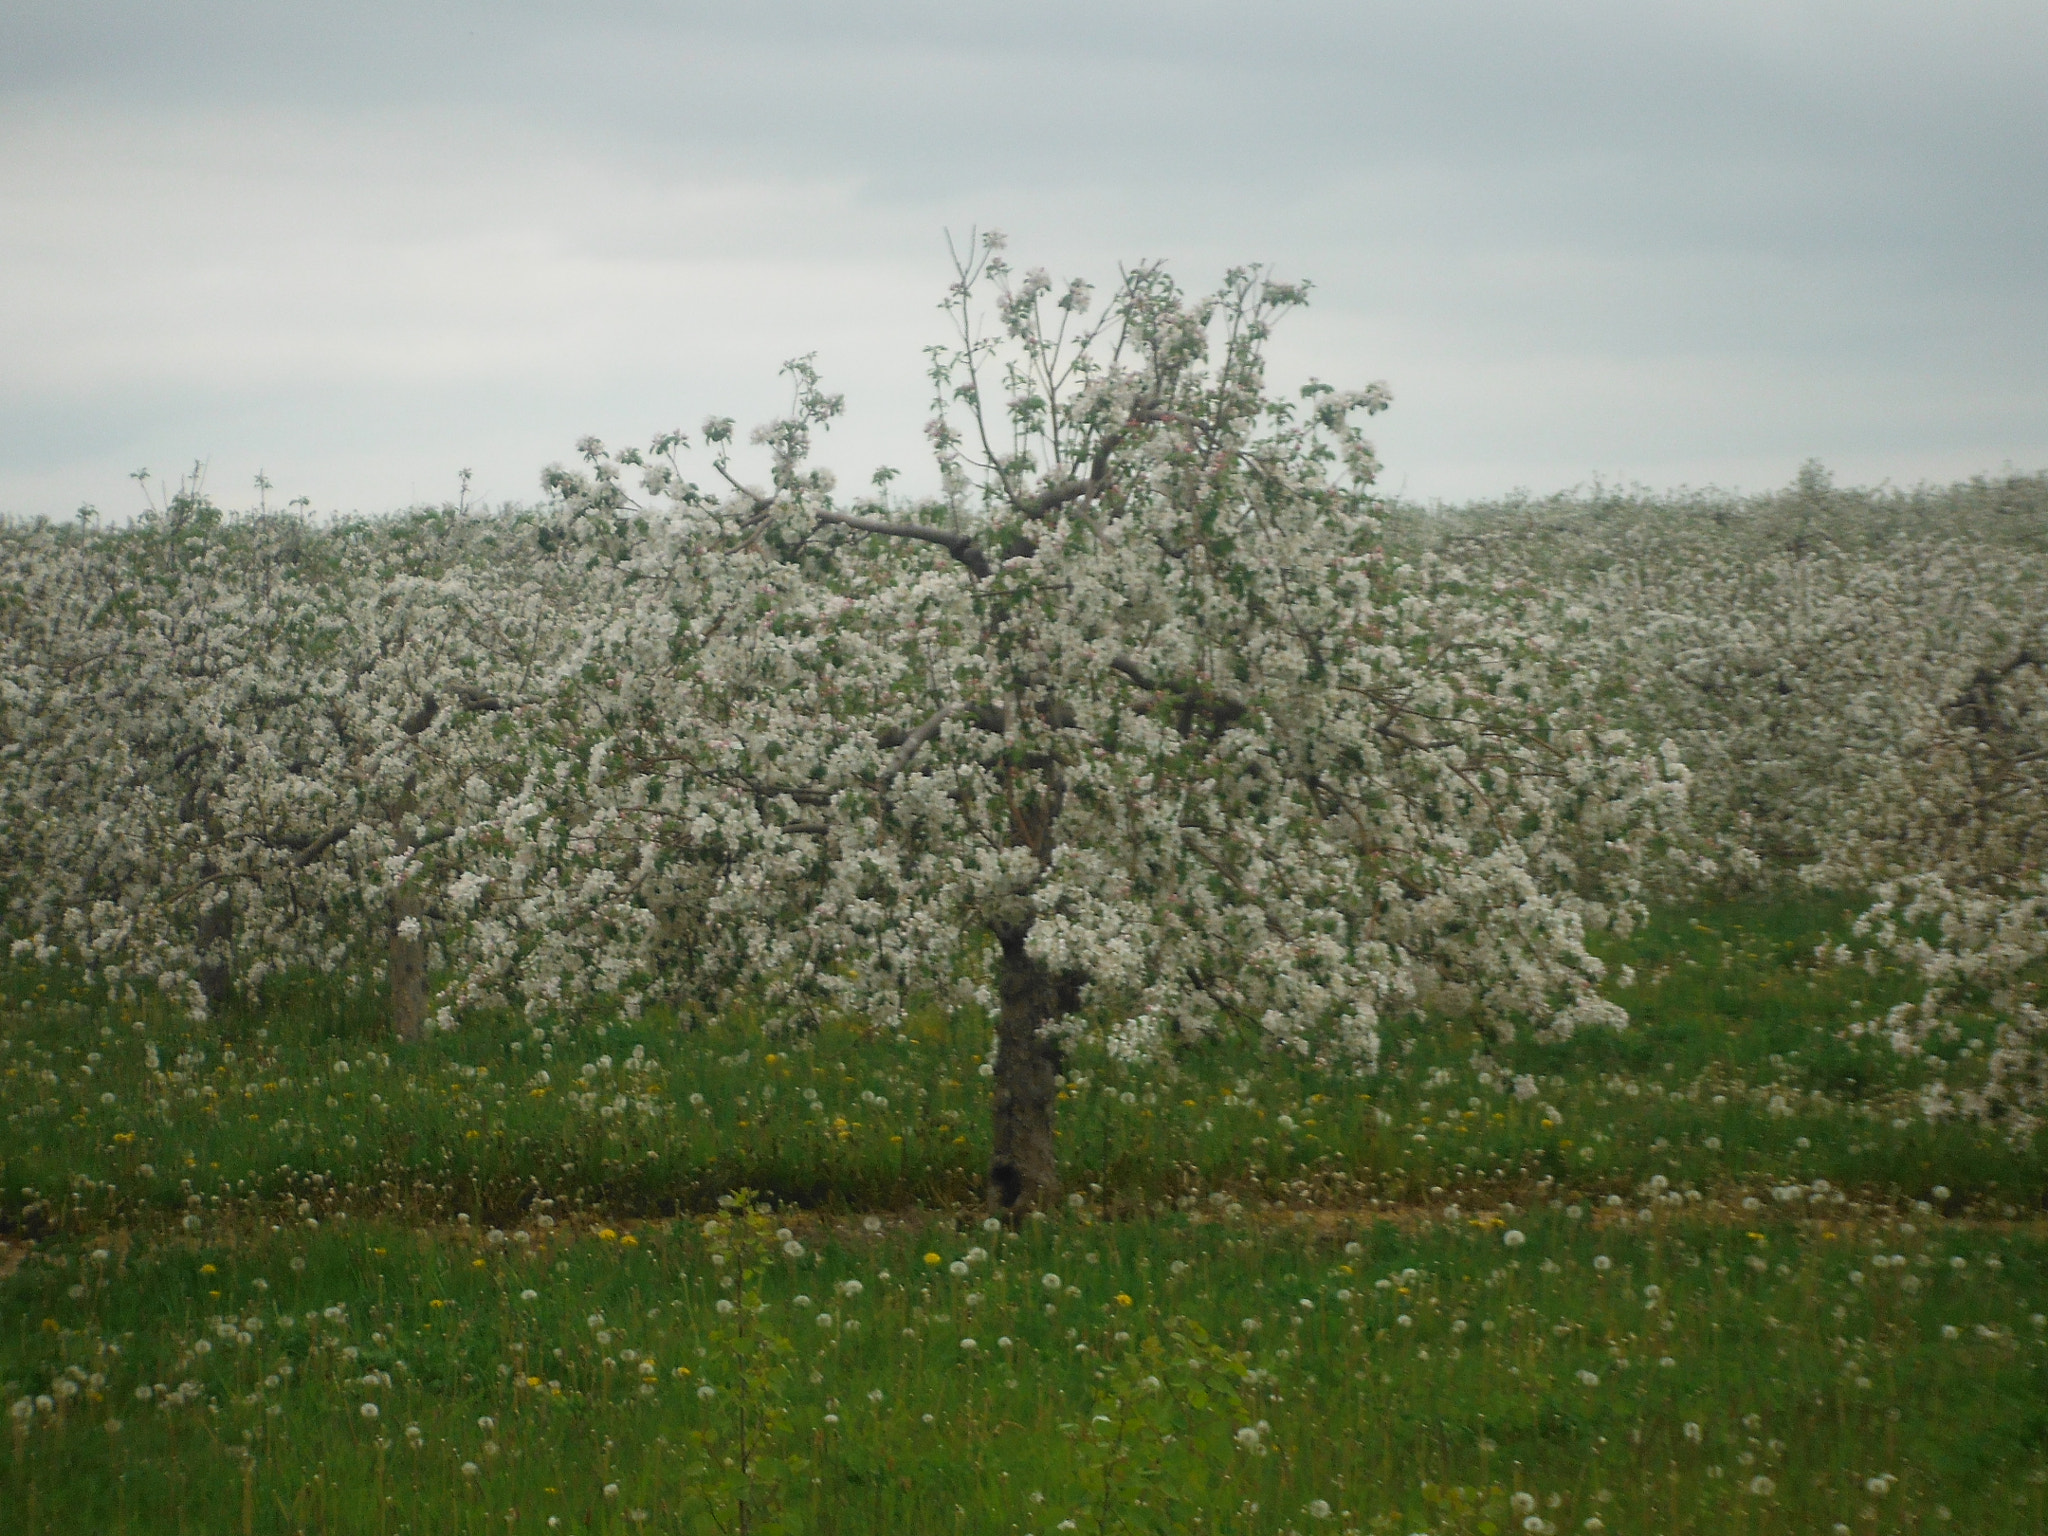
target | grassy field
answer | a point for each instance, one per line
(1715, 1273)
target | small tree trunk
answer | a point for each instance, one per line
(214, 934)
(1023, 1174)
(216, 941)
(407, 958)
(408, 965)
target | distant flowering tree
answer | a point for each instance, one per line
(1859, 685)
(234, 745)
(1136, 730)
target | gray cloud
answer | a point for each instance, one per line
(381, 241)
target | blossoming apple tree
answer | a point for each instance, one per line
(1859, 686)
(1137, 729)
(234, 745)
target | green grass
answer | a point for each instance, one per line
(1738, 1149)
(1415, 1380)
(1737, 1073)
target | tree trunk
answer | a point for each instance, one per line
(1024, 1175)
(216, 939)
(214, 934)
(407, 961)
(408, 965)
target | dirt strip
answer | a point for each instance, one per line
(1322, 1223)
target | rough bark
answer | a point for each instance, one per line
(214, 934)
(407, 955)
(408, 966)
(1023, 1174)
(216, 940)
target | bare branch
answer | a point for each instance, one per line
(1394, 733)
(323, 842)
(959, 545)
(914, 742)
(762, 504)
(477, 702)
(1195, 698)
(1097, 482)
(1052, 500)
(1136, 673)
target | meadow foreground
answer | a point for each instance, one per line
(1711, 1273)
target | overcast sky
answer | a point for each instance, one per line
(363, 246)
